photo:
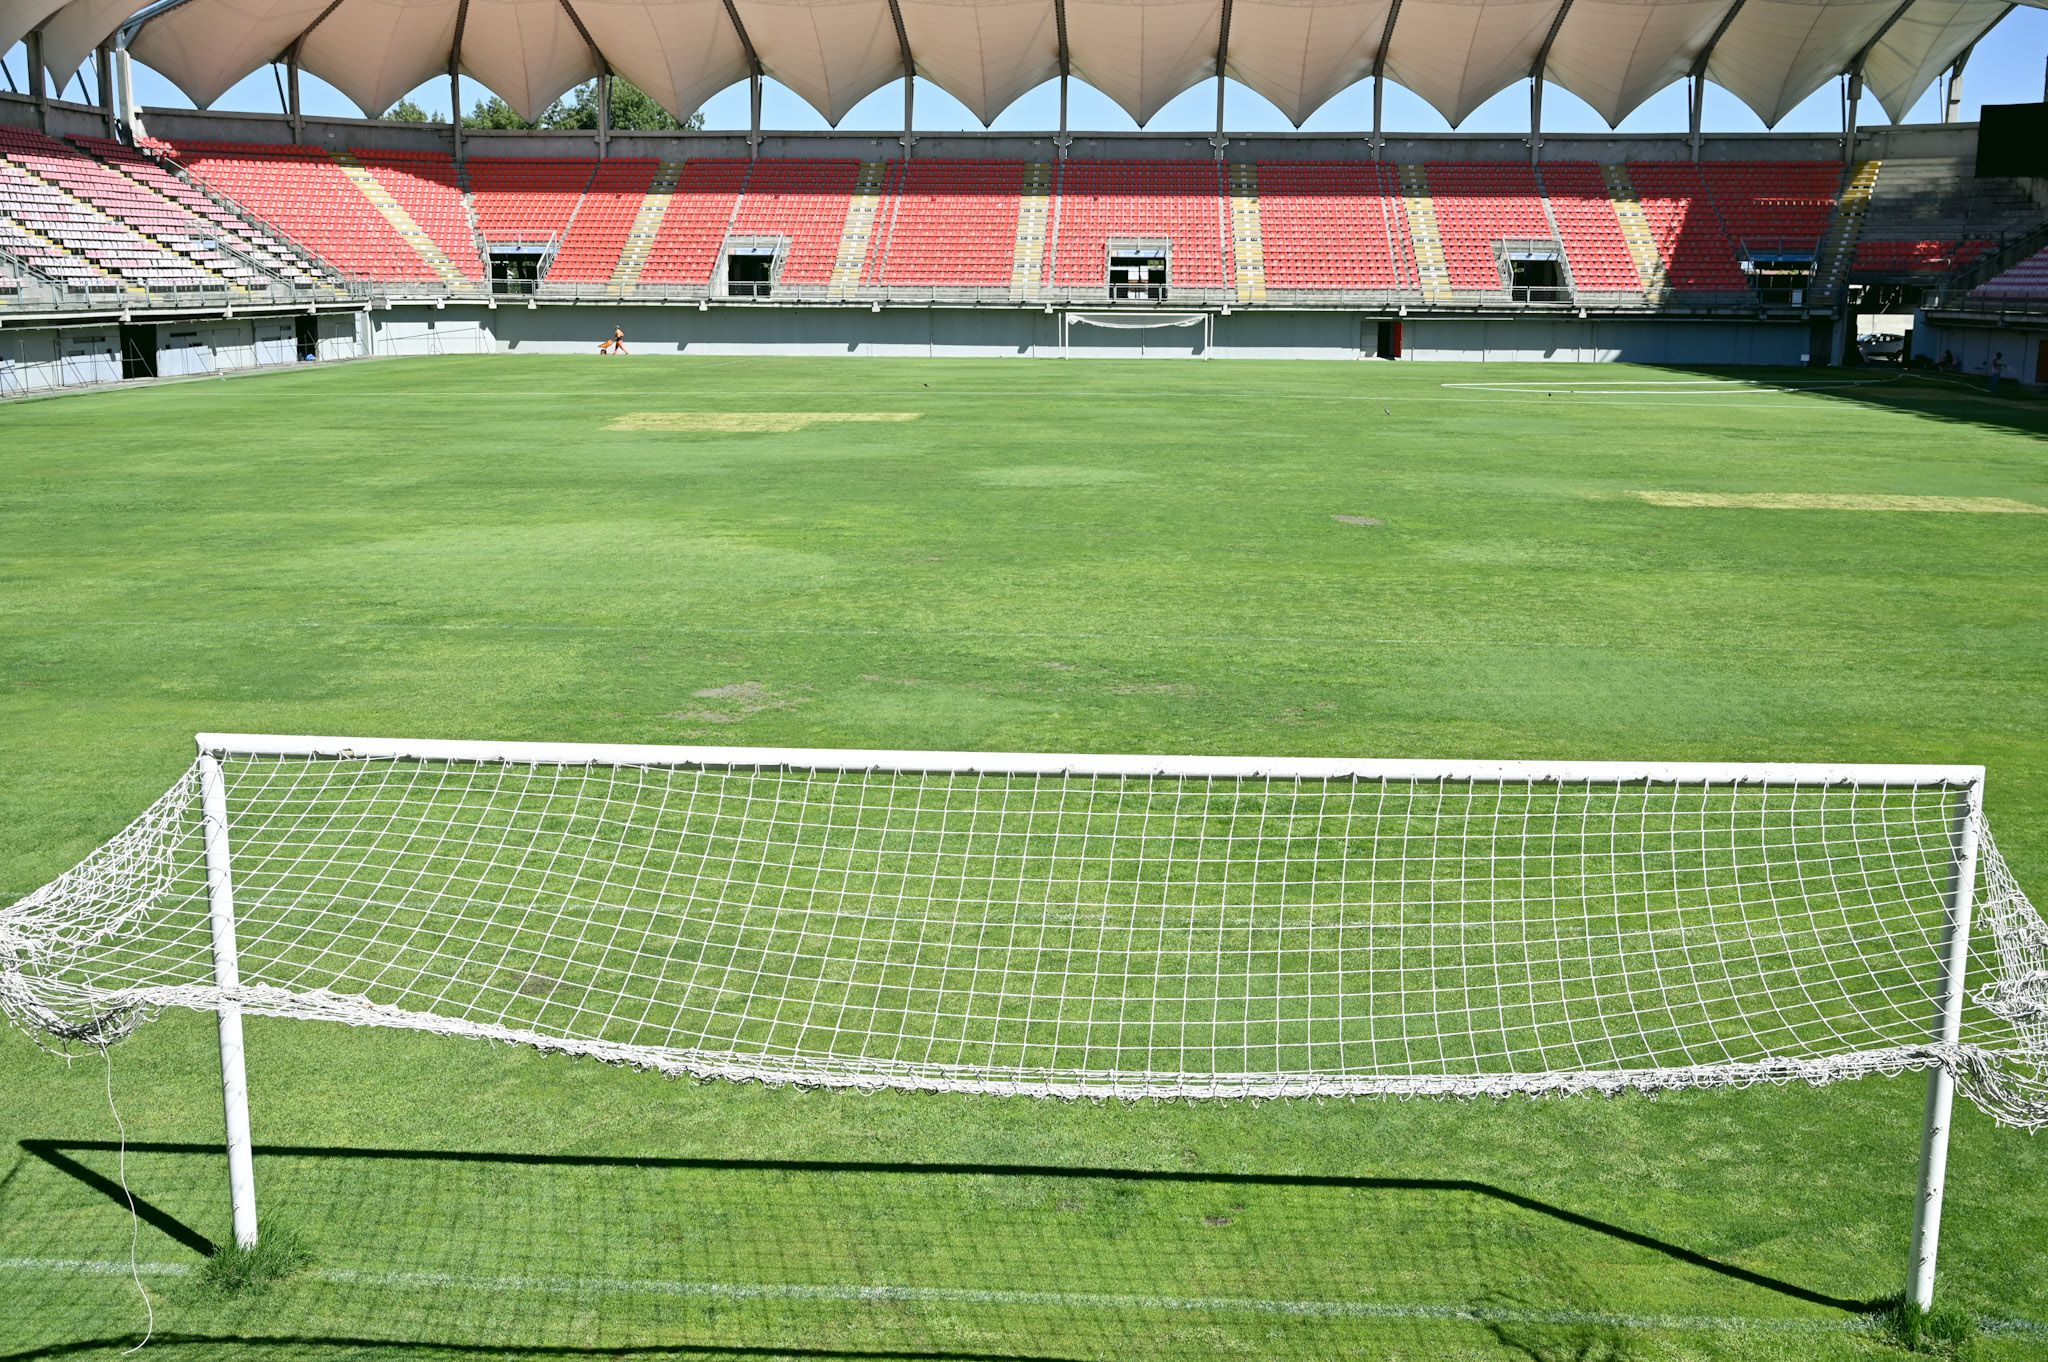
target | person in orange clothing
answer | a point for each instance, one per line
(616, 345)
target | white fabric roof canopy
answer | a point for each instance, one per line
(1455, 54)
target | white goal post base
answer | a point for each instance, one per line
(1071, 926)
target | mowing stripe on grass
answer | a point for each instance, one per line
(1065, 1300)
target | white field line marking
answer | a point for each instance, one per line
(1674, 388)
(856, 1294)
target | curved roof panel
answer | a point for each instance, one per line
(1455, 54)
(681, 52)
(834, 53)
(1777, 52)
(1300, 53)
(383, 49)
(1614, 54)
(986, 54)
(70, 36)
(1922, 43)
(1142, 53)
(18, 17)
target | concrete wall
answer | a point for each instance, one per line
(1974, 345)
(1928, 140)
(1650, 341)
(1034, 333)
(49, 359)
(46, 360)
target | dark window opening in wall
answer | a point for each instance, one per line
(1138, 275)
(1535, 274)
(138, 351)
(516, 269)
(1781, 278)
(749, 271)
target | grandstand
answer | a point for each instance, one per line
(409, 235)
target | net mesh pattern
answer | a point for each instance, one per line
(1069, 935)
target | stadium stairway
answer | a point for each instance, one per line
(1433, 274)
(1248, 242)
(859, 229)
(647, 224)
(401, 221)
(1838, 247)
(1027, 262)
(1635, 230)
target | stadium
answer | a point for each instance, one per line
(636, 739)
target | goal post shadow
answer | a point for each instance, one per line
(999, 1182)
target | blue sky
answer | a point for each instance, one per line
(2007, 67)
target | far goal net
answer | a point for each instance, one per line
(1071, 926)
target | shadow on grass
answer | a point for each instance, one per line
(1961, 399)
(59, 1155)
(306, 1347)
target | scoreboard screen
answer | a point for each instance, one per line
(2012, 139)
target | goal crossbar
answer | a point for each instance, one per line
(1071, 925)
(1086, 764)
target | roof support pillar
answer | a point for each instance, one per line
(1699, 73)
(909, 138)
(754, 116)
(295, 107)
(1851, 99)
(1952, 97)
(1378, 139)
(1695, 105)
(1219, 140)
(103, 69)
(604, 113)
(38, 81)
(455, 81)
(124, 81)
(1061, 140)
(1855, 77)
(739, 30)
(1536, 81)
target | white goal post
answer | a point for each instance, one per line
(1071, 926)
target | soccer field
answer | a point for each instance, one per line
(1220, 558)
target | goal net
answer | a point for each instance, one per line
(1070, 926)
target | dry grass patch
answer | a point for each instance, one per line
(1837, 501)
(749, 422)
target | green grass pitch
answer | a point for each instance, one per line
(1326, 560)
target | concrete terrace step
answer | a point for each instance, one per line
(1027, 260)
(858, 230)
(1635, 230)
(1433, 276)
(647, 223)
(1247, 233)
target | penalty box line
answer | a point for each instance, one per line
(1065, 1300)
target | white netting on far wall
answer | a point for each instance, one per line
(1078, 935)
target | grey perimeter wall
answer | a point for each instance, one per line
(995, 333)
(45, 359)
